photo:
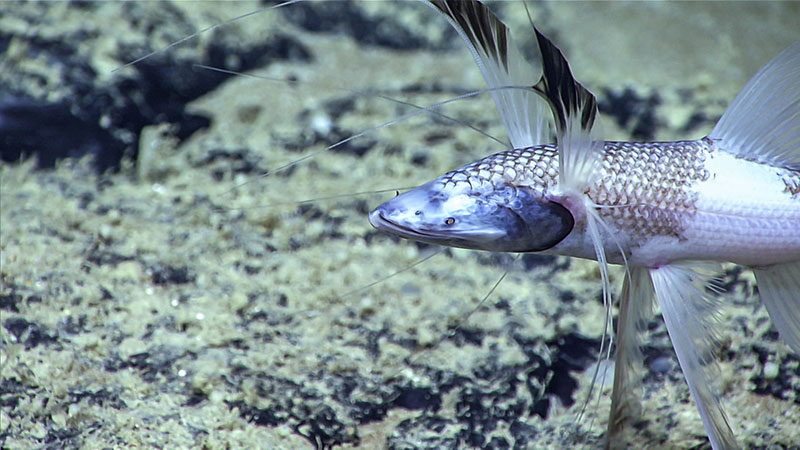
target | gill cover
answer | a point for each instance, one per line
(502, 218)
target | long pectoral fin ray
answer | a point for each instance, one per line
(574, 110)
(522, 111)
(566, 96)
(689, 314)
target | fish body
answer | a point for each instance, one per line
(661, 201)
(668, 211)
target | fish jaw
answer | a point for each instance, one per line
(659, 202)
(477, 207)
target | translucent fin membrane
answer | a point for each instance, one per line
(763, 122)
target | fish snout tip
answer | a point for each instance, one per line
(375, 218)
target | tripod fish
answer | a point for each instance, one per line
(668, 211)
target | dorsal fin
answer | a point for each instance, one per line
(762, 123)
(502, 65)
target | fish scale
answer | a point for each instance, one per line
(668, 211)
(536, 167)
(645, 189)
(651, 191)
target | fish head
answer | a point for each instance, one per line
(481, 215)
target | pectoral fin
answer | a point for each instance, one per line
(580, 143)
(779, 287)
(522, 111)
(689, 315)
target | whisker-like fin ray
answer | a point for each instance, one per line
(381, 126)
(336, 299)
(204, 30)
(594, 225)
(391, 275)
(450, 333)
(319, 199)
(431, 109)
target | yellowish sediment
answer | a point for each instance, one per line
(178, 303)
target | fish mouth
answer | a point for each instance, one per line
(436, 237)
(453, 238)
(379, 222)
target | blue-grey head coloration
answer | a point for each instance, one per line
(663, 209)
(482, 216)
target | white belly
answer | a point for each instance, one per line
(745, 213)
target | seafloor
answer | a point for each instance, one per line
(157, 292)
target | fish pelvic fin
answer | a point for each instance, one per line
(762, 123)
(505, 70)
(690, 313)
(635, 307)
(779, 287)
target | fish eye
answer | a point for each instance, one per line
(417, 213)
(449, 221)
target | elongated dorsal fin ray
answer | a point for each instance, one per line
(521, 110)
(635, 306)
(580, 144)
(762, 123)
(681, 290)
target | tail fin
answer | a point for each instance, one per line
(763, 122)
